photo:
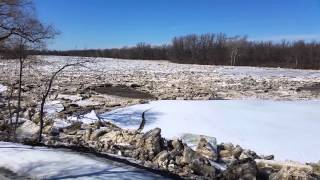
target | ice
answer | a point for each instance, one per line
(114, 66)
(2, 88)
(52, 107)
(59, 124)
(88, 118)
(76, 97)
(45, 163)
(287, 129)
(262, 72)
(87, 102)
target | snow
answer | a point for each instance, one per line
(53, 107)
(2, 88)
(27, 129)
(20, 120)
(59, 123)
(88, 118)
(287, 129)
(45, 163)
(260, 72)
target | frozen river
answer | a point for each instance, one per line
(287, 129)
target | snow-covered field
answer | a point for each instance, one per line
(287, 129)
(45, 163)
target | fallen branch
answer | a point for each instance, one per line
(143, 121)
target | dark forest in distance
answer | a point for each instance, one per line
(214, 49)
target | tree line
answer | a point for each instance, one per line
(215, 49)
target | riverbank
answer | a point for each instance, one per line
(44, 163)
(208, 160)
(81, 96)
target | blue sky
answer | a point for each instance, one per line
(116, 23)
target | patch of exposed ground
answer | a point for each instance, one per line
(122, 91)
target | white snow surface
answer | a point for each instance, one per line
(45, 163)
(2, 88)
(287, 129)
(88, 118)
(52, 107)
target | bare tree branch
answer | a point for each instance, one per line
(47, 91)
(143, 121)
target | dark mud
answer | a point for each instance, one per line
(314, 88)
(122, 91)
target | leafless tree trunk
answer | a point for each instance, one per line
(22, 31)
(9, 124)
(234, 56)
(21, 62)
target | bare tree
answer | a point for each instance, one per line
(22, 32)
(216, 49)
(17, 18)
(297, 52)
(21, 62)
(235, 45)
(10, 110)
